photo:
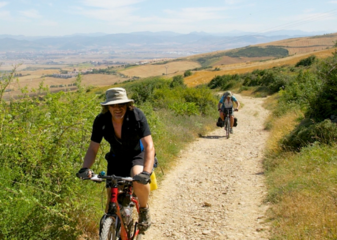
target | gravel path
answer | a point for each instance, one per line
(216, 190)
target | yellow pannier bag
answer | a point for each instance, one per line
(153, 184)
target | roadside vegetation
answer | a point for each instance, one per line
(44, 139)
(301, 163)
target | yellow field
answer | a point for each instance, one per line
(171, 68)
(305, 44)
(202, 77)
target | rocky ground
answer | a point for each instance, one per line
(217, 189)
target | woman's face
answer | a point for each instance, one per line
(117, 110)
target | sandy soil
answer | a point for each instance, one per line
(217, 190)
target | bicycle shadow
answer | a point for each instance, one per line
(211, 137)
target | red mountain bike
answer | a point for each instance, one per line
(120, 222)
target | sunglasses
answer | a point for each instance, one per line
(117, 105)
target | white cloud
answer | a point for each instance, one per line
(233, 2)
(2, 4)
(110, 4)
(109, 10)
(333, 2)
(197, 14)
(31, 13)
(311, 16)
(47, 23)
(109, 15)
(5, 14)
(309, 10)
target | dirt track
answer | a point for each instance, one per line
(217, 189)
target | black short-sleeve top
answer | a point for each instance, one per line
(132, 132)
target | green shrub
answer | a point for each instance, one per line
(187, 108)
(177, 81)
(187, 73)
(309, 132)
(223, 82)
(324, 104)
(300, 90)
(306, 62)
(42, 141)
(142, 91)
(202, 97)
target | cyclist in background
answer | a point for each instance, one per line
(227, 102)
(131, 147)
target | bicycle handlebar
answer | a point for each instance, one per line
(100, 178)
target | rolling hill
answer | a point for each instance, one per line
(203, 66)
(246, 59)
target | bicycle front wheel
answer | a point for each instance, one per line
(139, 237)
(228, 127)
(109, 230)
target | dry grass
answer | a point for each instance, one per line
(305, 44)
(304, 189)
(171, 68)
(278, 126)
(101, 80)
(305, 216)
(288, 123)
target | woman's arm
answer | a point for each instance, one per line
(90, 156)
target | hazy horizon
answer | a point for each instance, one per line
(62, 18)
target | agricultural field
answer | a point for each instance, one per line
(305, 44)
(223, 62)
(171, 68)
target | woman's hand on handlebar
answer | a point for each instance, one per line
(143, 178)
(85, 173)
(236, 109)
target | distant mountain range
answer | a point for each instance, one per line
(198, 42)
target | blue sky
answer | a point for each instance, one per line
(61, 17)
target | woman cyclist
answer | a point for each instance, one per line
(131, 147)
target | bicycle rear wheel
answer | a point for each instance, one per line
(109, 230)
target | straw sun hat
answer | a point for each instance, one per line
(115, 96)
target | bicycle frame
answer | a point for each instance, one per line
(227, 123)
(114, 209)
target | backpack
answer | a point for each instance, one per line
(140, 141)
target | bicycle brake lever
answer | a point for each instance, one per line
(95, 178)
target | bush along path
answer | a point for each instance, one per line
(217, 189)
